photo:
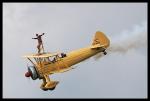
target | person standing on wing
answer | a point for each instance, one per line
(39, 38)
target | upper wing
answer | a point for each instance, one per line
(43, 55)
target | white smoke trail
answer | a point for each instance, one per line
(131, 39)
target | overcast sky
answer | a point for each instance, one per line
(70, 26)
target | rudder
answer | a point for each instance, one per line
(101, 39)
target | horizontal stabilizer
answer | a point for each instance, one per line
(97, 46)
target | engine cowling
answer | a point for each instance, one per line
(31, 73)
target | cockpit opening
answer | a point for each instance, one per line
(63, 55)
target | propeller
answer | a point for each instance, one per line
(28, 73)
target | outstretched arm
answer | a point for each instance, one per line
(42, 34)
(34, 38)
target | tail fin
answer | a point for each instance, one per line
(100, 40)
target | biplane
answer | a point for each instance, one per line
(45, 63)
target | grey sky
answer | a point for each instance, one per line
(70, 26)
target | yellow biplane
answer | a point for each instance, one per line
(45, 64)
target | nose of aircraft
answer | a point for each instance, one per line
(28, 74)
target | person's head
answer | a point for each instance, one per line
(37, 35)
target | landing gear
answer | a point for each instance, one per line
(47, 84)
(45, 89)
(43, 85)
(104, 52)
(52, 88)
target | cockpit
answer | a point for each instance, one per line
(46, 58)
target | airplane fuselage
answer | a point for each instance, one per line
(71, 58)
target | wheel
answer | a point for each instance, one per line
(45, 89)
(105, 53)
(51, 88)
